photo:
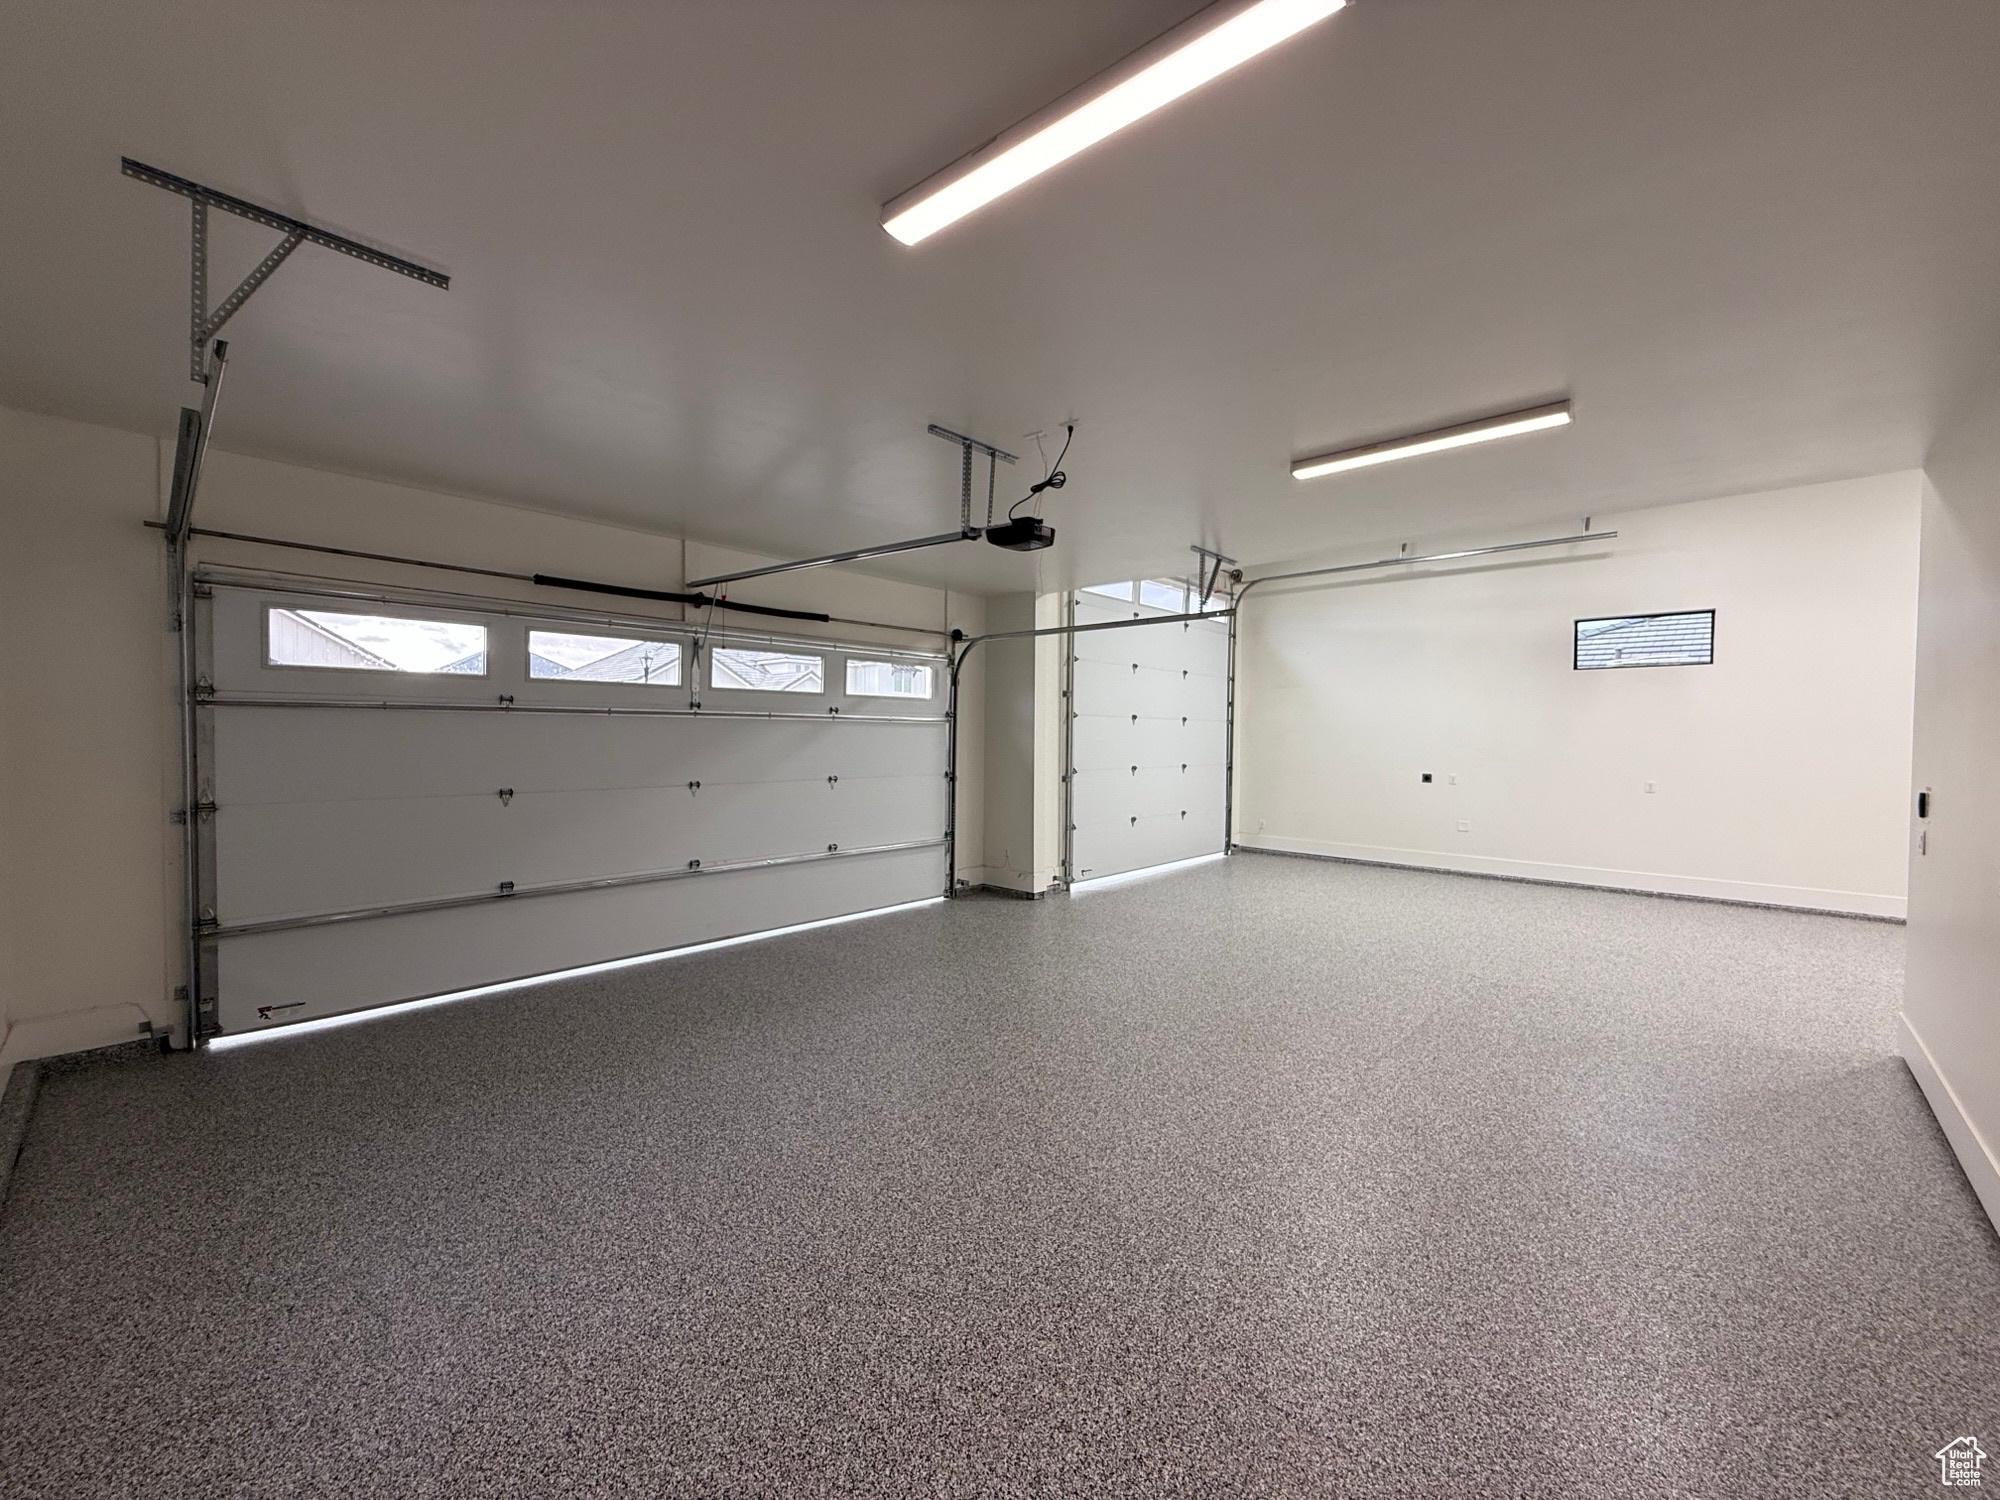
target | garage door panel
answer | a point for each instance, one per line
(291, 859)
(1112, 687)
(272, 754)
(1113, 745)
(320, 971)
(1168, 648)
(1118, 850)
(1162, 796)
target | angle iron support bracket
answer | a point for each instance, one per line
(204, 323)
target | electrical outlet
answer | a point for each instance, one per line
(1463, 826)
(1451, 780)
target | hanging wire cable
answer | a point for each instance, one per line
(1056, 478)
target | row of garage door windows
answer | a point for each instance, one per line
(337, 641)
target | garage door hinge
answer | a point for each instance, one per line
(204, 810)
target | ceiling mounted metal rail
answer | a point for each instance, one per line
(967, 531)
(1401, 560)
(698, 601)
(1434, 557)
(203, 322)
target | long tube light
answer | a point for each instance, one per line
(1438, 440)
(1199, 50)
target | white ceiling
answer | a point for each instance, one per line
(1758, 240)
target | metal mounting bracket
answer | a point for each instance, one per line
(203, 322)
(967, 446)
(1214, 575)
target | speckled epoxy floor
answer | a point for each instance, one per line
(1266, 1178)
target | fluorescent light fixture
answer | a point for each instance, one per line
(1440, 440)
(1105, 882)
(1200, 49)
(403, 1007)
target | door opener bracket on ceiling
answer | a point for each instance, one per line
(1213, 560)
(966, 532)
(205, 322)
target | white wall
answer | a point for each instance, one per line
(1009, 666)
(1780, 772)
(1951, 1006)
(1023, 746)
(89, 915)
(85, 715)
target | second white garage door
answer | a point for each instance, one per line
(1148, 738)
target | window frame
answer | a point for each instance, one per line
(733, 687)
(929, 669)
(528, 659)
(1576, 641)
(266, 662)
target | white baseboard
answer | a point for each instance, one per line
(77, 1031)
(1745, 892)
(1975, 1154)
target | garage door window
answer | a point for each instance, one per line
(555, 655)
(888, 679)
(766, 671)
(374, 643)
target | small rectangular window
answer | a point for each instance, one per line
(766, 671)
(1160, 593)
(374, 643)
(556, 655)
(1686, 639)
(1110, 590)
(888, 679)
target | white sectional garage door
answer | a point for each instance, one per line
(381, 835)
(1148, 740)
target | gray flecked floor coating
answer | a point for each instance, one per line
(1265, 1178)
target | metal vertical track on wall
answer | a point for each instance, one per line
(1229, 748)
(196, 807)
(952, 664)
(186, 663)
(1069, 743)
